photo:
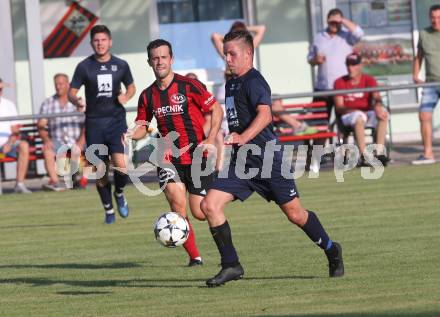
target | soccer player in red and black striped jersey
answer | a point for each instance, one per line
(179, 103)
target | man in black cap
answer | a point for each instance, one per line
(361, 109)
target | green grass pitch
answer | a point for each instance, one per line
(57, 258)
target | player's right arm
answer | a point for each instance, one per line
(262, 120)
(78, 102)
(143, 119)
(78, 80)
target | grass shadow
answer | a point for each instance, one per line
(80, 293)
(140, 283)
(39, 226)
(79, 266)
(365, 314)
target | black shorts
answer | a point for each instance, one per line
(182, 174)
(106, 131)
(277, 188)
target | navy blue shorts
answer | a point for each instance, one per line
(276, 188)
(106, 131)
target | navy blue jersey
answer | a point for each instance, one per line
(102, 83)
(243, 95)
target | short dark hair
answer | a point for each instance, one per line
(61, 75)
(434, 7)
(334, 11)
(100, 28)
(157, 43)
(238, 26)
(245, 36)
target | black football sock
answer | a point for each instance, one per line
(120, 181)
(223, 239)
(316, 232)
(105, 193)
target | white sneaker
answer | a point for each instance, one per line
(422, 160)
(20, 188)
(53, 187)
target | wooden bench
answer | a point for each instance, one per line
(29, 133)
(315, 115)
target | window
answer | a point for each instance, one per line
(181, 11)
(188, 25)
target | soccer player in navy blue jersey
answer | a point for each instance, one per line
(102, 74)
(248, 108)
(179, 104)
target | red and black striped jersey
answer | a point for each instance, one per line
(180, 107)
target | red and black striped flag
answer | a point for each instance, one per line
(69, 32)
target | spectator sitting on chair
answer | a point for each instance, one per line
(60, 130)
(299, 127)
(10, 143)
(364, 109)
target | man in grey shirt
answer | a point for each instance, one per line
(428, 50)
(329, 50)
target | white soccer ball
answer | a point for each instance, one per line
(171, 229)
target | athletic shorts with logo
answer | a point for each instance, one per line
(180, 173)
(107, 131)
(278, 188)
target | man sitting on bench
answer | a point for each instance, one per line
(10, 143)
(58, 131)
(356, 111)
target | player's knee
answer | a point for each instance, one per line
(297, 216)
(102, 182)
(208, 207)
(199, 215)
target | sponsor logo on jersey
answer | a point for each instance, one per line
(103, 67)
(114, 68)
(209, 100)
(177, 99)
(231, 112)
(170, 110)
(105, 85)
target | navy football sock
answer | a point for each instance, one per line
(120, 181)
(223, 239)
(316, 232)
(105, 193)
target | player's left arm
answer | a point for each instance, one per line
(123, 98)
(130, 88)
(216, 114)
(262, 120)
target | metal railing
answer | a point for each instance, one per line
(286, 96)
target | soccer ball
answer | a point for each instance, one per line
(171, 229)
